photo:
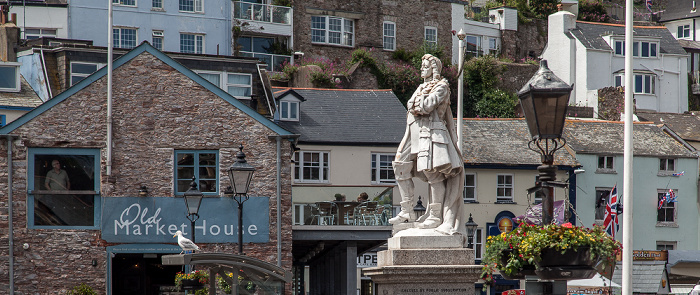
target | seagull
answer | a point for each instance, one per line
(185, 243)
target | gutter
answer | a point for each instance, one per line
(10, 208)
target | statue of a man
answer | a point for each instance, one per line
(429, 151)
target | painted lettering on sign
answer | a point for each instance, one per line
(144, 220)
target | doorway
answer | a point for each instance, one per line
(142, 273)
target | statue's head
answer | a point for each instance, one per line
(431, 65)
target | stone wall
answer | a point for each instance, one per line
(529, 40)
(515, 76)
(611, 103)
(410, 16)
(156, 110)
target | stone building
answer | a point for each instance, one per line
(333, 29)
(122, 198)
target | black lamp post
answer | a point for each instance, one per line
(419, 209)
(471, 229)
(240, 174)
(544, 100)
(193, 199)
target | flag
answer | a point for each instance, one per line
(648, 4)
(678, 173)
(610, 222)
(662, 200)
(671, 196)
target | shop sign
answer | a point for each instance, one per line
(367, 260)
(646, 255)
(588, 290)
(156, 219)
(513, 292)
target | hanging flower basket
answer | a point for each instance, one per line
(191, 284)
(527, 269)
(560, 252)
(195, 280)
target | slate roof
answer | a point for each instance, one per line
(689, 44)
(145, 47)
(606, 137)
(26, 98)
(678, 9)
(504, 141)
(590, 35)
(687, 126)
(646, 277)
(346, 117)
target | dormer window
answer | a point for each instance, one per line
(644, 49)
(289, 110)
(9, 76)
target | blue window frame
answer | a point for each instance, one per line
(64, 186)
(3, 121)
(202, 165)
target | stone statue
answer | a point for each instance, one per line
(429, 152)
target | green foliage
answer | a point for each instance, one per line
(287, 3)
(401, 77)
(593, 11)
(402, 55)
(543, 8)
(481, 75)
(427, 48)
(82, 289)
(497, 103)
(539, 9)
(323, 79)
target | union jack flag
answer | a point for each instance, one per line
(662, 200)
(610, 222)
(671, 196)
(648, 5)
(678, 173)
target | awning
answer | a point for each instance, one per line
(684, 263)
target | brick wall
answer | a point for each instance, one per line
(156, 110)
(410, 16)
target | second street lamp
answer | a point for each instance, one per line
(471, 229)
(544, 100)
(240, 175)
(193, 199)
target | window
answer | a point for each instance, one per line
(36, 33)
(158, 40)
(602, 197)
(504, 188)
(643, 83)
(63, 188)
(382, 171)
(157, 4)
(191, 43)
(239, 85)
(303, 214)
(667, 213)
(389, 36)
(191, 5)
(667, 165)
(665, 245)
(431, 35)
(311, 166)
(478, 243)
(255, 44)
(493, 46)
(473, 46)
(469, 187)
(202, 165)
(80, 70)
(606, 163)
(124, 37)
(332, 30)
(648, 49)
(124, 2)
(9, 76)
(289, 111)
(683, 32)
(213, 77)
(3, 120)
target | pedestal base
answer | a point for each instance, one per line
(425, 264)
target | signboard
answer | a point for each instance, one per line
(645, 255)
(588, 290)
(156, 219)
(367, 260)
(514, 292)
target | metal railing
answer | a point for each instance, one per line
(262, 12)
(274, 61)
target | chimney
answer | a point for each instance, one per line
(9, 36)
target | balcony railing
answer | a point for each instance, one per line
(262, 12)
(375, 212)
(274, 61)
(695, 83)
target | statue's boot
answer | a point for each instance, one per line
(402, 172)
(433, 220)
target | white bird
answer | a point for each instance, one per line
(185, 243)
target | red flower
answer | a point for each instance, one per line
(567, 225)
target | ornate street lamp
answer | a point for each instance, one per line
(544, 100)
(193, 199)
(240, 174)
(471, 229)
(419, 209)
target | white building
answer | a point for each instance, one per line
(591, 56)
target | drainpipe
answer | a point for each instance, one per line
(278, 140)
(9, 213)
(109, 92)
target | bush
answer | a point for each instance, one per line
(480, 75)
(497, 103)
(593, 11)
(323, 79)
(82, 289)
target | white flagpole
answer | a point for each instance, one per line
(110, 40)
(627, 240)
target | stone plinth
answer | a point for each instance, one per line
(425, 262)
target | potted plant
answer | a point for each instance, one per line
(82, 289)
(195, 280)
(559, 251)
(243, 284)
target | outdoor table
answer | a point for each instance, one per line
(344, 208)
